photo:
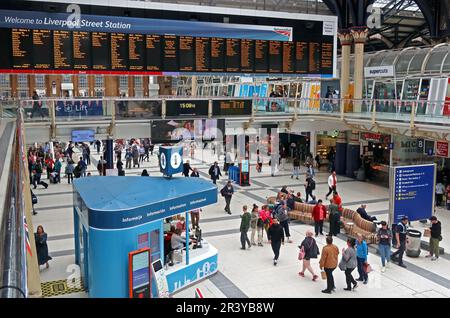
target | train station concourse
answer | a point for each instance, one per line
(245, 149)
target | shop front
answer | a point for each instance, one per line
(375, 153)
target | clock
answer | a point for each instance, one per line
(170, 160)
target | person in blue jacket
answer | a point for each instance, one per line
(361, 256)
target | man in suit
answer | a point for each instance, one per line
(186, 168)
(214, 172)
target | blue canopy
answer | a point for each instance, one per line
(120, 202)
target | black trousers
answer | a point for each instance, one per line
(334, 224)
(330, 278)
(227, 201)
(309, 192)
(318, 227)
(276, 245)
(244, 239)
(285, 225)
(349, 277)
(331, 189)
(400, 251)
(70, 177)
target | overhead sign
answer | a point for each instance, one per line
(413, 192)
(379, 71)
(442, 149)
(374, 137)
(79, 108)
(227, 107)
(187, 108)
(83, 135)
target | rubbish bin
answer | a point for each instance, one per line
(413, 243)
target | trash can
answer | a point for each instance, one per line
(413, 243)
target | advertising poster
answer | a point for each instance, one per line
(138, 108)
(314, 96)
(442, 149)
(446, 111)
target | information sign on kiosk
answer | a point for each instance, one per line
(139, 273)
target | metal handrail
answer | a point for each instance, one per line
(13, 276)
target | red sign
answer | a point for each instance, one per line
(374, 137)
(446, 111)
(442, 149)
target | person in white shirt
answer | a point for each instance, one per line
(440, 190)
(332, 183)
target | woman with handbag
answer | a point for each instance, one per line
(361, 256)
(348, 263)
(308, 250)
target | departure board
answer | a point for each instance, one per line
(247, 56)
(327, 58)
(119, 51)
(81, 50)
(301, 57)
(5, 49)
(275, 51)
(42, 49)
(314, 57)
(170, 53)
(232, 54)
(153, 53)
(100, 51)
(288, 57)
(261, 56)
(136, 52)
(202, 54)
(62, 50)
(22, 48)
(186, 51)
(217, 54)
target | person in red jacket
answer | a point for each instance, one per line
(337, 200)
(319, 214)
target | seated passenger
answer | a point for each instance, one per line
(313, 201)
(362, 211)
(298, 198)
(290, 202)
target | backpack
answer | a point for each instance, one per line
(312, 184)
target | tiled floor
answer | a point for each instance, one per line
(251, 273)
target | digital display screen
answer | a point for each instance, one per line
(232, 54)
(170, 53)
(83, 135)
(62, 49)
(187, 53)
(157, 266)
(5, 49)
(288, 57)
(327, 58)
(176, 108)
(261, 56)
(232, 107)
(217, 54)
(136, 52)
(42, 49)
(275, 50)
(100, 51)
(22, 48)
(247, 56)
(119, 51)
(202, 54)
(141, 273)
(301, 57)
(314, 57)
(81, 50)
(153, 53)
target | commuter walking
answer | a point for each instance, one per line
(309, 249)
(296, 168)
(40, 238)
(310, 170)
(361, 256)
(334, 218)
(435, 238)
(82, 166)
(227, 192)
(86, 154)
(37, 105)
(245, 225)
(281, 213)
(254, 224)
(186, 168)
(214, 172)
(440, 190)
(101, 167)
(57, 170)
(276, 238)
(69, 170)
(49, 163)
(128, 158)
(400, 233)
(317, 159)
(319, 214)
(146, 152)
(384, 236)
(265, 217)
(348, 263)
(97, 145)
(332, 183)
(328, 263)
(135, 153)
(141, 154)
(310, 185)
(119, 166)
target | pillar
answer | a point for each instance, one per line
(312, 143)
(194, 86)
(111, 86)
(359, 36)
(353, 153)
(346, 41)
(108, 154)
(341, 153)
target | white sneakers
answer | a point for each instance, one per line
(383, 269)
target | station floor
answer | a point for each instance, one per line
(250, 273)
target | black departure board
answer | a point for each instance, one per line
(62, 50)
(314, 57)
(119, 51)
(153, 53)
(100, 51)
(233, 55)
(231, 107)
(42, 49)
(301, 57)
(186, 49)
(218, 55)
(170, 53)
(188, 108)
(81, 50)
(247, 56)
(22, 48)
(202, 54)
(275, 51)
(288, 57)
(261, 56)
(136, 52)
(5, 49)
(326, 66)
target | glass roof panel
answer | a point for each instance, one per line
(436, 59)
(403, 61)
(417, 61)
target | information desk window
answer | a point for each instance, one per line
(195, 255)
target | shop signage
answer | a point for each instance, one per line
(379, 71)
(420, 145)
(413, 192)
(374, 137)
(442, 149)
(188, 108)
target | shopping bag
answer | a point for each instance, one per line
(367, 268)
(301, 253)
(323, 274)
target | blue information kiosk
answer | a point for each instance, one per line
(114, 216)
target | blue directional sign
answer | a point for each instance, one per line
(414, 192)
(170, 160)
